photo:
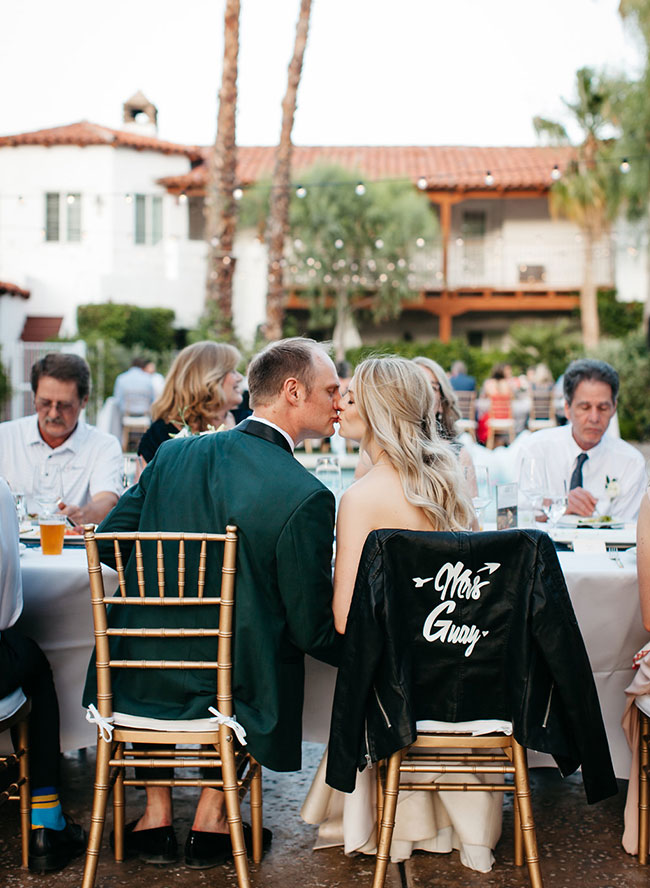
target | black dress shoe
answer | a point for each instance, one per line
(52, 849)
(157, 845)
(204, 850)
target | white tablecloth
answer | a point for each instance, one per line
(57, 615)
(606, 603)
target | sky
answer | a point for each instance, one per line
(376, 72)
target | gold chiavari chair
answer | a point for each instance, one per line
(643, 705)
(542, 411)
(14, 713)
(238, 771)
(492, 755)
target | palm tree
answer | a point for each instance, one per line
(587, 193)
(278, 221)
(220, 206)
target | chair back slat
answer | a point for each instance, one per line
(180, 595)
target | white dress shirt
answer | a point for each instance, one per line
(611, 458)
(11, 588)
(90, 460)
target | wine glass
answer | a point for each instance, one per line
(47, 491)
(532, 481)
(328, 471)
(478, 479)
(554, 502)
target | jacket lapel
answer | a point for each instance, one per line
(262, 430)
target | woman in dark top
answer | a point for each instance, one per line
(202, 386)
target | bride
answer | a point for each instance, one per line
(415, 483)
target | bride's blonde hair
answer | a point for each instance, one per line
(395, 401)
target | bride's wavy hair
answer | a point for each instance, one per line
(395, 401)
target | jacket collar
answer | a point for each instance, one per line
(267, 432)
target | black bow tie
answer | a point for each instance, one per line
(267, 432)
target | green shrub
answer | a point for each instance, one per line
(5, 385)
(630, 358)
(128, 325)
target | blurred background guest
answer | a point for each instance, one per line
(157, 379)
(201, 388)
(460, 379)
(133, 389)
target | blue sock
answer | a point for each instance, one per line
(46, 809)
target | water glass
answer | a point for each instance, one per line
(47, 491)
(555, 500)
(478, 480)
(532, 482)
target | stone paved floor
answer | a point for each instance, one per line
(579, 844)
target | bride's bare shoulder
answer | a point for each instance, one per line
(372, 488)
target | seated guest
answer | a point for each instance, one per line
(54, 839)
(601, 472)
(90, 460)
(201, 389)
(459, 378)
(133, 389)
(246, 476)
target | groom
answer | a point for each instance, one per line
(285, 518)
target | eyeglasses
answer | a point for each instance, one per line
(59, 406)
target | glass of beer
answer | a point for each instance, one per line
(52, 533)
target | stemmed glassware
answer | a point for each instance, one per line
(554, 502)
(532, 481)
(47, 490)
(478, 480)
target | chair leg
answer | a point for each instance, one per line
(518, 837)
(118, 807)
(522, 789)
(100, 799)
(644, 787)
(381, 771)
(233, 811)
(391, 791)
(24, 792)
(256, 810)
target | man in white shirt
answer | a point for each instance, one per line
(603, 474)
(90, 461)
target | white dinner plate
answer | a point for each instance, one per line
(594, 523)
(68, 540)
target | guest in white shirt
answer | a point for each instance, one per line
(134, 390)
(90, 461)
(602, 472)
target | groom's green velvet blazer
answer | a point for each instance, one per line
(283, 587)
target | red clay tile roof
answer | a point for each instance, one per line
(40, 329)
(86, 133)
(13, 290)
(446, 168)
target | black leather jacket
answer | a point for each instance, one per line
(462, 626)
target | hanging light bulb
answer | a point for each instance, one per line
(338, 243)
(489, 178)
(379, 243)
(625, 166)
(301, 191)
(238, 193)
(360, 189)
(182, 198)
(422, 183)
(419, 242)
(555, 173)
(128, 198)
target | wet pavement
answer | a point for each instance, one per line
(579, 844)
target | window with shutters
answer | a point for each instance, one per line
(148, 220)
(63, 217)
(196, 222)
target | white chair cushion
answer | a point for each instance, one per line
(10, 704)
(475, 728)
(643, 703)
(125, 720)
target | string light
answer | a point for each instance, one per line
(625, 166)
(182, 197)
(419, 242)
(422, 183)
(489, 178)
(360, 189)
(238, 193)
(338, 243)
(301, 191)
(128, 198)
(555, 173)
(379, 243)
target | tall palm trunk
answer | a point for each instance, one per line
(589, 296)
(278, 225)
(220, 206)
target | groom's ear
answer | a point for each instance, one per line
(291, 390)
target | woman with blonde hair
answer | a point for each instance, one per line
(202, 386)
(415, 483)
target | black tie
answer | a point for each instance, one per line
(576, 478)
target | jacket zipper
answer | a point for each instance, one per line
(383, 711)
(548, 705)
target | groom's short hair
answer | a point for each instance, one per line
(278, 362)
